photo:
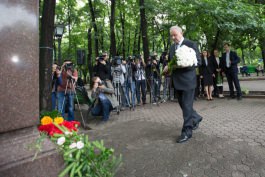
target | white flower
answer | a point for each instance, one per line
(186, 56)
(61, 140)
(79, 145)
(68, 133)
(72, 146)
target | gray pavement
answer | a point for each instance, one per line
(251, 85)
(229, 142)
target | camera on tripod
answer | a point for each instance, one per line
(117, 60)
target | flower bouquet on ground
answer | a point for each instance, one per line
(245, 91)
(184, 57)
(82, 157)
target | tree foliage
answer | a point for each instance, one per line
(209, 22)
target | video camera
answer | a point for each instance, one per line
(117, 60)
(69, 66)
(100, 58)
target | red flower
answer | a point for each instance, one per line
(50, 129)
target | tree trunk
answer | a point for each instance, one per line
(214, 46)
(128, 44)
(135, 40)
(262, 47)
(139, 42)
(122, 18)
(102, 33)
(112, 29)
(69, 29)
(93, 19)
(144, 30)
(46, 54)
(89, 54)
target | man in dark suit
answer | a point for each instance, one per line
(229, 65)
(184, 80)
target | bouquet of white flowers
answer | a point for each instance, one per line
(184, 57)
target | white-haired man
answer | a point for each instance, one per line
(184, 80)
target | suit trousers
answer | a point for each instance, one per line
(233, 78)
(190, 116)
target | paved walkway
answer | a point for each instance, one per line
(251, 85)
(230, 141)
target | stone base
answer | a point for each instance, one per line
(16, 158)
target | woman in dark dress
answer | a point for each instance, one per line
(207, 73)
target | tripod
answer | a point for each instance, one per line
(74, 91)
(119, 89)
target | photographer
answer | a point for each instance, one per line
(65, 89)
(56, 79)
(140, 80)
(155, 80)
(108, 65)
(102, 69)
(167, 79)
(130, 80)
(103, 91)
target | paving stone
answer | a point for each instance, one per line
(230, 140)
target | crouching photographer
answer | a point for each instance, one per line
(103, 92)
(66, 88)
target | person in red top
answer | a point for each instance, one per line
(65, 89)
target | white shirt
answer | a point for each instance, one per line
(217, 60)
(206, 62)
(228, 59)
(140, 73)
(179, 44)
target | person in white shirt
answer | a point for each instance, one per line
(140, 79)
(218, 80)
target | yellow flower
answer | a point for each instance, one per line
(58, 120)
(46, 120)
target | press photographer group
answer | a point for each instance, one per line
(116, 84)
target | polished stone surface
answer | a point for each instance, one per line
(19, 64)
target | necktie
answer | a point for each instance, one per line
(206, 62)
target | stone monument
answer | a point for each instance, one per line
(19, 93)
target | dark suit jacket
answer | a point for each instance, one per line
(207, 70)
(234, 61)
(185, 78)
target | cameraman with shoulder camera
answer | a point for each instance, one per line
(102, 69)
(65, 90)
(103, 91)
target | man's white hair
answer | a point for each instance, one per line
(177, 28)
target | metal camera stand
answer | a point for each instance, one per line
(65, 92)
(117, 86)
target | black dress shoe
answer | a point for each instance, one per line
(183, 138)
(239, 98)
(196, 125)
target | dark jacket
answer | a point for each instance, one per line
(234, 59)
(185, 78)
(207, 70)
